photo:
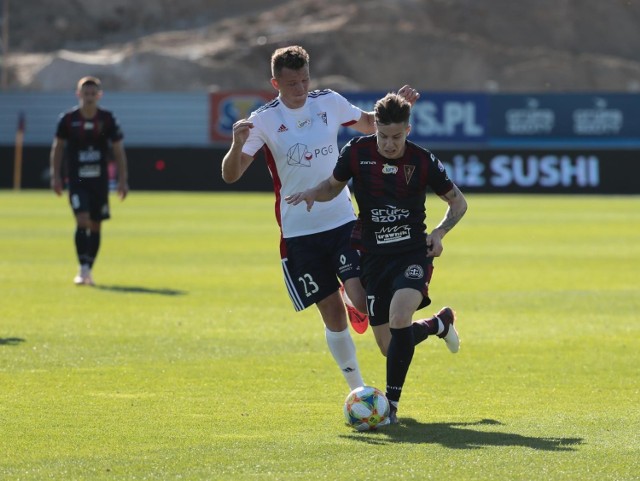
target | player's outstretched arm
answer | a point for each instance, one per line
(323, 192)
(366, 124)
(455, 212)
(235, 162)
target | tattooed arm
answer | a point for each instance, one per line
(457, 208)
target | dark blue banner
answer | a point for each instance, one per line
(571, 119)
(446, 120)
(558, 171)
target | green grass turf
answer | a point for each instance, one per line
(187, 360)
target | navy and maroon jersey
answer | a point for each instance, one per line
(87, 143)
(391, 194)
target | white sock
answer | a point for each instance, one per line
(440, 326)
(344, 352)
(345, 297)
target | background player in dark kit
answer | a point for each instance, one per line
(87, 135)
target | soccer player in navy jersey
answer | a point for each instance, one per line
(86, 135)
(298, 132)
(391, 176)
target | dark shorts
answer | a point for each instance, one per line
(383, 275)
(91, 197)
(313, 263)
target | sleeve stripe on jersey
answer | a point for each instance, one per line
(273, 103)
(319, 93)
(293, 294)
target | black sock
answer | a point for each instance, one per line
(82, 245)
(399, 356)
(424, 328)
(93, 247)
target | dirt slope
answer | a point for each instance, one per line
(477, 45)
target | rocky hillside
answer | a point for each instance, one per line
(471, 45)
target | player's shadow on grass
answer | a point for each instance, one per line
(11, 341)
(142, 290)
(461, 436)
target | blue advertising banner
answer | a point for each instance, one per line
(570, 119)
(443, 118)
(475, 119)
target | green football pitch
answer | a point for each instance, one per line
(187, 361)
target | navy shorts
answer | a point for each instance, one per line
(91, 197)
(312, 264)
(383, 275)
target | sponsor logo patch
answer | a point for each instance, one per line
(388, 235)
(299, 155)
(389, 169)
(389, 214)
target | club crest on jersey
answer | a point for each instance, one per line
(408, 172)
(414, 271)
(389, 169)
(323, 117)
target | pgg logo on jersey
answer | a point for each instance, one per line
(300, 155)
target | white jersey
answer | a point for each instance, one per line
(301, 149)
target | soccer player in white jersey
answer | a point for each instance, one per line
(298, 131)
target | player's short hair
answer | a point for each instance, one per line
(293, 57)
(89, 80)
(392, 109)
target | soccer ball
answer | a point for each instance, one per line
(365, 408)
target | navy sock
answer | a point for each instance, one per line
(424, 328)
(93, 247)
(82, 245)
(399, 356)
